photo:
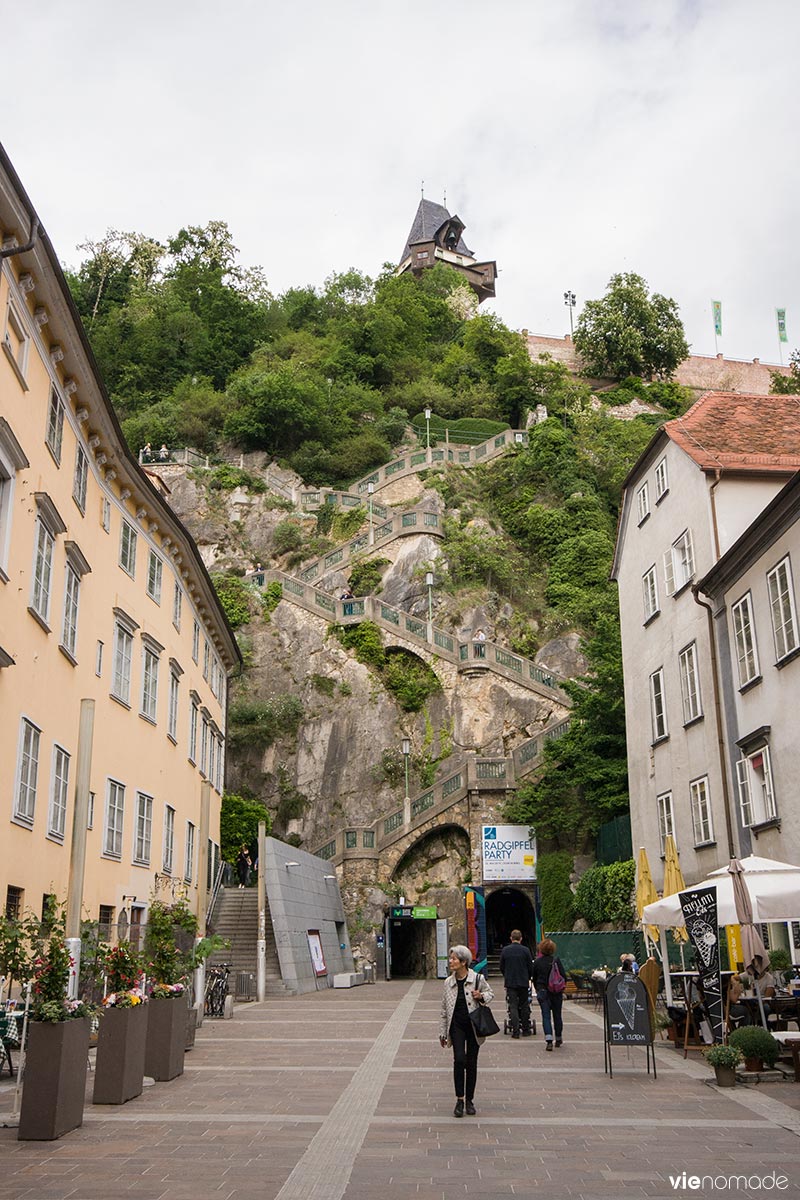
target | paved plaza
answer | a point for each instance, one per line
(348, 1094)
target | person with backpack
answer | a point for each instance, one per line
(550, 981)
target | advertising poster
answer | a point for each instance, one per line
(315, 949)
(700, 917)
(509, 853)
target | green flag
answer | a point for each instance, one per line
(780, 313)
(716, 308)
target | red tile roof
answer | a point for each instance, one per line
(736, 431)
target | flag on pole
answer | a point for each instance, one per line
(780, 314)
(716, 308)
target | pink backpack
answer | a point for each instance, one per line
(556, 982)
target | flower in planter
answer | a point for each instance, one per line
(123, 967)
(166, 991)
(125, 999)
(723, 1056)
(50, 979)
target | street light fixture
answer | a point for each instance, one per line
(429, 585)
(569, 300)
(428, 415)
(406, 753)
(370, 490)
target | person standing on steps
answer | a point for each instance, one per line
(516, 967)
(550, 1000)
(463, 992)
(243, 867)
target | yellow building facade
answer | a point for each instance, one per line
(103, 597)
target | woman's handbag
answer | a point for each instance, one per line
(483, 1021)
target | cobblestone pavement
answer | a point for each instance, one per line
(348, 1094)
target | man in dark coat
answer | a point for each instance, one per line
(516, 965)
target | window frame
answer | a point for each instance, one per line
(194, 712)
(54, 432)
(59, 794)
(27, 773)
(19, 361)
(80, 477)
(689, 671)
(173, 704)
(122, 634)
(680, 554)
(752, 814)
(702, 816)
(789, 619)
(196, 642)
(650, 594)
(658, 693)
(661, 478)
(168, 855)
(69, 621)
(188, 855)
(177, 605)
(42, 578)
(155, 576)
(665, 809)
(744, 631)
(128, 538)
(143, 830)
(148, 707)
(642, 503)
(113, 832)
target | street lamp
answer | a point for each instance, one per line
(569, 300)
(429, 586)
(428, 428)
(370, 490)
(406, 753)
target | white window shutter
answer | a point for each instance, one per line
(745, 801)
(669, 572)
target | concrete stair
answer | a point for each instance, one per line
(235, 917)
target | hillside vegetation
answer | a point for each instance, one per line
(196, 351)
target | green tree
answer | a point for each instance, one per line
(238, 823)
(630, 332)
(787, 385)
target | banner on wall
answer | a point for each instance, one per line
(475, 911)
(700, 918)
(508, 853)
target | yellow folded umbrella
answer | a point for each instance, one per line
(645, 890)
(673, 880)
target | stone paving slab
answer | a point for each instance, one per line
(271, 1107)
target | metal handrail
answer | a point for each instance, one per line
(215, 890)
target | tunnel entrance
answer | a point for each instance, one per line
(506, 909)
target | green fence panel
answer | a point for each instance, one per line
(614, 842)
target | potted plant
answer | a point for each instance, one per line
(780, 964)
(57, 1053)
(724, 1060)
(119, 1072)
(168, 964)
(757, 1045)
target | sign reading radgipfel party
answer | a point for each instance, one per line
(509, 852)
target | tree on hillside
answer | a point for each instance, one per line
(629, 332)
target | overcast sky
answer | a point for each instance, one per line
(575, 138)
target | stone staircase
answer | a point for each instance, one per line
(419, 519)
(235, 917)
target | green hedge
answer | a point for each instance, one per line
(604, 893)
(558, 903)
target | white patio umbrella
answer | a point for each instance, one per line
(774, 889)
(756, 958)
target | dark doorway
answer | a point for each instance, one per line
(413, 949)
(506, 909)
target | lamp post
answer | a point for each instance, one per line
(569, 300)
(407, 798)
(370, 490)
(429, 586)
(428, 431)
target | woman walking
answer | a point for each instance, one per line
(463, 992)
(549, 1001)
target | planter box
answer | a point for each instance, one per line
(191, 1028)
(726, 1076)
(167, 1024)
(55, 1079)
(120, 1055)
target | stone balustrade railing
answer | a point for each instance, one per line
(419, 519)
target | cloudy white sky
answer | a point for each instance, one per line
(575, 138)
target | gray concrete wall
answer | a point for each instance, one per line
(302, 897)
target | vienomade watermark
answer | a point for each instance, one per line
(729, 1183)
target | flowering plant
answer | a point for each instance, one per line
(50, 979)
(129, 999)
(166, 991)
(122, 966)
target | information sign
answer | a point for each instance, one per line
(626, 1017)
(509, 853)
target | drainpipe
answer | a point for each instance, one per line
(726, 800)
(715, 526)
(12, 250)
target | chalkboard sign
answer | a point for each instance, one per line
(627, 1013)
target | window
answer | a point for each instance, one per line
(643, 503)
(350, 839)
(658, 705)
(105, 514)
(690, 684)
(196, 642)
(42, 571)
(12, 459)
(756, 790)
(204, 732)
(368, 839)
(149, 682)
(55, 425)
(57, 817)
(662, 479)
(666, 819)
(105, 922)
(69, 631)
(127, 549)
(206, 658)
(745, 639)
(98, 661)
(193, 711)
(781, 601)
(14, 897)
(28, 773)
(15, 342)
(188, 864)
(115, 812)
(701, 812)
(177, 605)
(650, 593)
(123, 652)
(220, 763)
(155, 569)
(679, 563)
(80, 479)
(90, 812)
(169, 838)
(144, 829)
(172, 713)
(212, 757)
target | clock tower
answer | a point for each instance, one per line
(436, 236)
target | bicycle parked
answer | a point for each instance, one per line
(217, 990)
